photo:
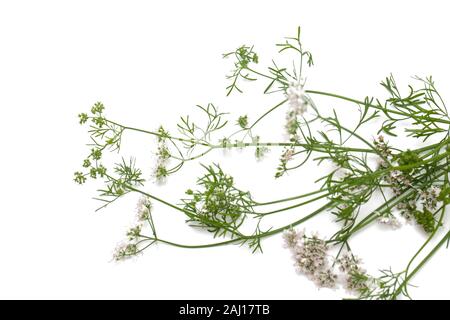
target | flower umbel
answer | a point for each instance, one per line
(298, 104)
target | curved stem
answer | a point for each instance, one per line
(244, 238)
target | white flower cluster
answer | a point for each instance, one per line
(288, 154)
(396, 178)
(355, 278)
(390, 221)
(124, 251)
(430, 196)
(384, 150)
(143, 208)
(130, 248)
(163, 157)
(291, 238)
(298, 104)
(310, 255)
(407, 209)
(429, 200)
(398, 181)
(312, 259)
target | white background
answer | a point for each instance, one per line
(150, 62)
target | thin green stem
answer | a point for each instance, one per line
(290, 198)
(359, 102)
(444, 239)
(245, 238)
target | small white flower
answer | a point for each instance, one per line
(287, 155)
(298, 104)
(311, 256)
(357, 281)
(398, 181)
(124, 251)
(298, 101)
(430, 196)
(348, 262)
(143, 208)
(163, 156)
(326, 279)
(390, 221)
(384, 150)
(291, 238)
(134, 232)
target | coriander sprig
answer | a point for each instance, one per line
(412, 183)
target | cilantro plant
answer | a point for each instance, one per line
(413, 183)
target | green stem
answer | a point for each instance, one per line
(295, 205)
(266, 113)
(290, 198)
(245, 238)
(391, 203)
(155, 133)
(420, 265)
(404, 167)
(333, 95)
